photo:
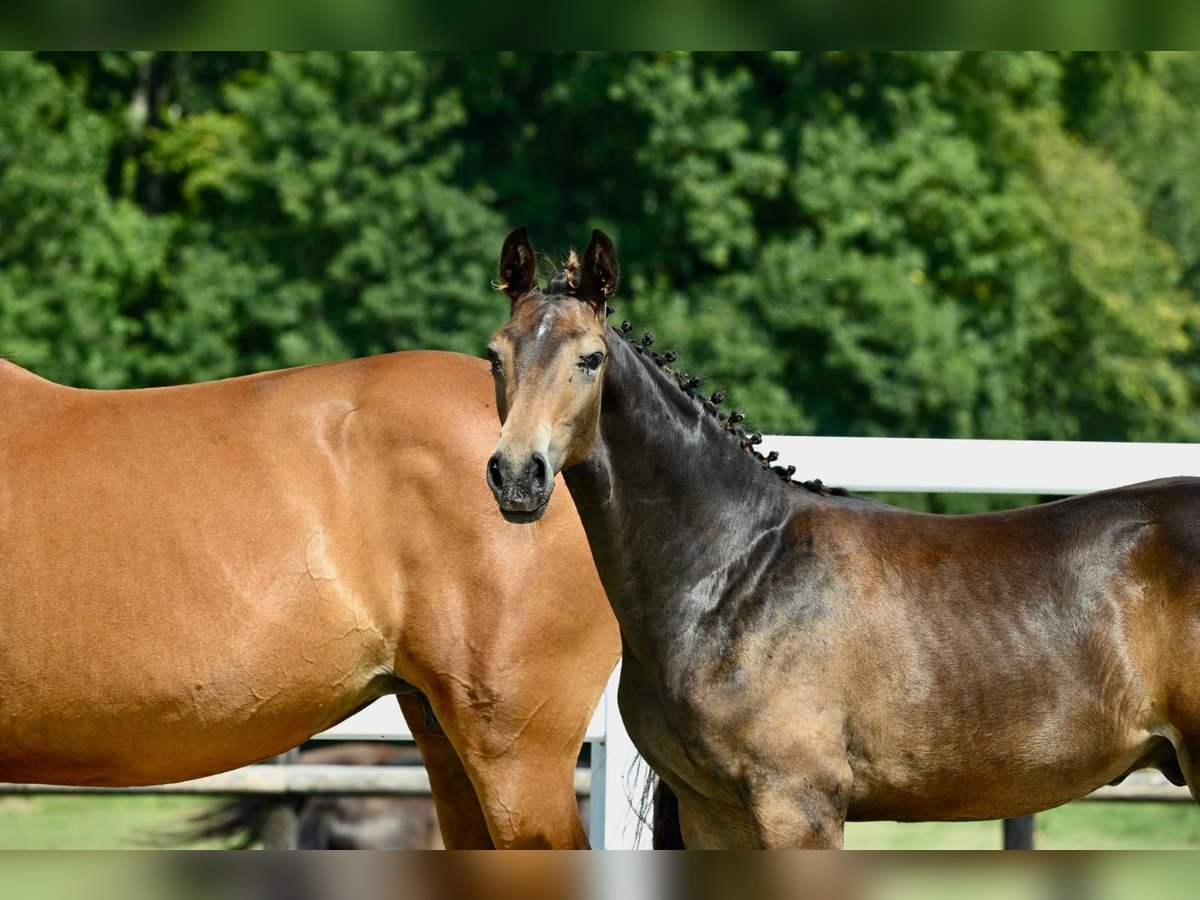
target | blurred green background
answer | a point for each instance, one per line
(1001, 245)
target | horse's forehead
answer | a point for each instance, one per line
(541, 326)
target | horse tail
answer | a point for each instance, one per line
(667, 833)
(656, 808)
(237, 823)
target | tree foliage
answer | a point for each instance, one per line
(927, 244)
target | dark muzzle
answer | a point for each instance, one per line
(522, 486)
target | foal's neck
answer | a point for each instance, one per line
(669, 502)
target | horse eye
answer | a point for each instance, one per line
(592, 362)
(494, 359)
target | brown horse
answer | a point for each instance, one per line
(794, 656)
(195, 578)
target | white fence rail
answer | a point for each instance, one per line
(292, 778)
(981, 467)
(860, 464)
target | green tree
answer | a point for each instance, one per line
(860, 243)
(73, 258)
(321, 219)
(927, 244)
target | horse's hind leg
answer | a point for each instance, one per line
(460, 815)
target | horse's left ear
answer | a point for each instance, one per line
(598, 271)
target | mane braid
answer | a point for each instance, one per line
(729, 423)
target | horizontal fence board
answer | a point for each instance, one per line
(980, 467)
(413, 781)
(295, 778)
(383, 721)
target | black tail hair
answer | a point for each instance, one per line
(667, 834)
(237, 823)
(656, 808)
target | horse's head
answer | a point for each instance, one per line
(549, 363)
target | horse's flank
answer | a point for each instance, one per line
(196, 577)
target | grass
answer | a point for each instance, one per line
(50, 822)
(1077, 826)
(106, 823)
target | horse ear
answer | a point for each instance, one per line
(518, 265)
(598, 271)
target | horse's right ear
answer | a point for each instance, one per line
(518, 265)
(598, 273)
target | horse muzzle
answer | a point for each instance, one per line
(521, 486)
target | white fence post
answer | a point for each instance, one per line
(613, 821)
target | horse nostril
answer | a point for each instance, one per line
(539, 469)
(493, 469)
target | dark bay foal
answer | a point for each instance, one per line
(794, 657)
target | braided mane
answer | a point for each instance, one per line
(564, 283)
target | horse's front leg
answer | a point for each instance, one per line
(519, 750)
(460, 814)
(803, 807)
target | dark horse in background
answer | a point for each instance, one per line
(325, 821)
(195, 578)
(322, 822)
(795, 657)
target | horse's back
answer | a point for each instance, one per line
(306, 429)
